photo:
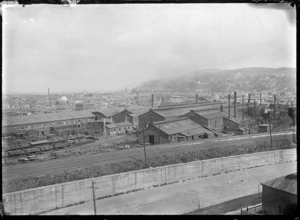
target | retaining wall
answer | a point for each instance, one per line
(55, 196)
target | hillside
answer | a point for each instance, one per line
(254, 79)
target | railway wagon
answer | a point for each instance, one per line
(15, 153)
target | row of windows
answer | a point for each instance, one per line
(59, 123)
(215, 124)
(119, 129)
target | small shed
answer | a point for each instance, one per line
(279, 195)
(240, 131)
(263, 128)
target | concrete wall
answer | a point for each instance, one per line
(49, 197)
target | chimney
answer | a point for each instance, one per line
(260, 99)
(234, 106)
(228, 105)
(221, 108)
(242, 107)
(152, 100)
(274, 105)
(249, 97)
(196, 97)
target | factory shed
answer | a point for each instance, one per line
(173, 130)
(279, 195)
(211, 119)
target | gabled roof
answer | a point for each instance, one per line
(108, 112)
(211, 115)
(285, 183)
(176, 126)
(137, 110)
(196, 131)
(31, 119)
(118, 125)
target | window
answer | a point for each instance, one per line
(64, 122)
(216, 123)
(22, 127)
(42, 125)
(28, 126)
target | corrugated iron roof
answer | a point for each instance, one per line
(31, 119)
(118, 125)
(211, 115)
(285, 183)
(182, 111)
(177, 125)
(196, 131)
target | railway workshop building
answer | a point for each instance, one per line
(173, 130)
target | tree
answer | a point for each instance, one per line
(291, 113)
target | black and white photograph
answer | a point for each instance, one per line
(149, 109)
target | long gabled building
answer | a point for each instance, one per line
(173, 130)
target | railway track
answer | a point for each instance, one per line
(85, 161)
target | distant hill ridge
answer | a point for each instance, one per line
(219, 81)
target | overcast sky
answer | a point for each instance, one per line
(109, 47)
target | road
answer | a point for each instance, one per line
(70, 163)
(183, 197)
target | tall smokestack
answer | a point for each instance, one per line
(234, 104)
(274, 105)
(196, 97)
(49, 96)
(242, 107)
(260, 99)
(228, 105)
(152, 100)
(249, 98)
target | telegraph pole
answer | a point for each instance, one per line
(94, 198)
(144, 145)
(269, 113)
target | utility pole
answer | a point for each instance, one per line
(269, 113)
(94, 198)
(144, 145)
(242, 107)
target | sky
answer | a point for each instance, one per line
(111, 47)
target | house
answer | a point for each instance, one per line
(173, 130)
(263, 128)
(279, 195)
(114, 129)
